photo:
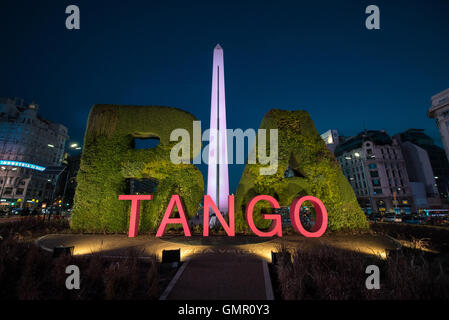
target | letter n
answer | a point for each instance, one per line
(208, 202)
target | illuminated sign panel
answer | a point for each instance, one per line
(21, 164)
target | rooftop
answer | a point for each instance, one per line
(375, 136)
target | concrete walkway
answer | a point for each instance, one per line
(217, 267)
(118, 245)
(217, 276)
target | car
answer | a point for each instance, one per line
(392, 218)
(412, 220)
(424, 220)
(437, 220)
(16, 211)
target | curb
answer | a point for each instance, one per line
(173, 281)
(396, 242)
(268, 287)
(37, 243)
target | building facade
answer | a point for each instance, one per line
(439, 110)
(29, 145)
(375, 167)
(426, 163)
(331, 138)
(421, 176)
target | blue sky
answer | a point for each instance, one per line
(311, 55)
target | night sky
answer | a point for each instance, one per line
(311, 55)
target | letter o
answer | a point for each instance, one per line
(321, 217)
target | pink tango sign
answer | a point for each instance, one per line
(318, 229)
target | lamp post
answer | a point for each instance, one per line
(396, 200)
(75, 146)
(72, 146)
(57, 174)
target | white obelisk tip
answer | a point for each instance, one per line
(218, 176)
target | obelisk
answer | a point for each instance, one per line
(218, 178)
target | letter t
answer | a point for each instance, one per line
(135, 211)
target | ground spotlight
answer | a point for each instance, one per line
(275, 256)
(63, 251)
(171, 256)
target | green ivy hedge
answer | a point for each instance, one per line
(301, 148)
(109, 158)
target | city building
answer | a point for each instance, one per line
(426, 163)
(331, 138)
(439, 110)
(421, 176)
(29, 146)
(375, 167)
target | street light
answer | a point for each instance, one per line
(71, 146)
(75, 146)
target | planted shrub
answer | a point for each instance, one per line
(327, 273)
(109, 158)
(317, 173)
